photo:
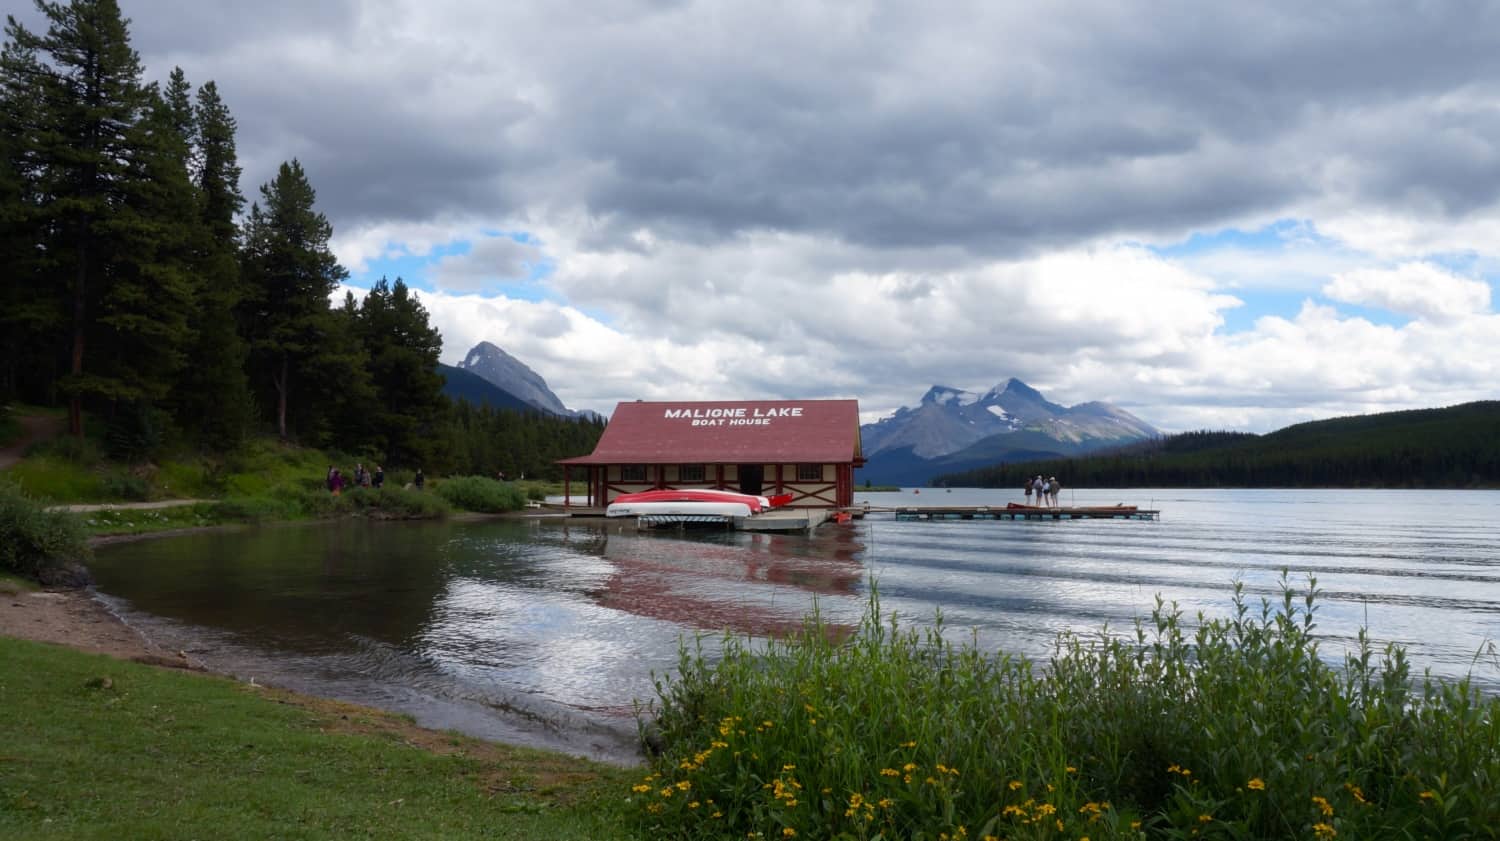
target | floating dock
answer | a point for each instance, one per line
(983, 512)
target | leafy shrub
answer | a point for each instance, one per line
(477, 493)
(1236, 731)
(126, 486)
(392, 503)
(254, 509)
(34, 541)
(10, 427)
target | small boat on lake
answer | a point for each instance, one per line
(701, 502)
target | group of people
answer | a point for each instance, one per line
(362, 478)
(1045, 491)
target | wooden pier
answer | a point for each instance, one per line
(984, 512)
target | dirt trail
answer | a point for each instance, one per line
(34, 428)
(125, 506)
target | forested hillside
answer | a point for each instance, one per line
(140, 291)
(1456, 447)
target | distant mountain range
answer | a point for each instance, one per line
(1454, 447)
(489, 376)
(952, 430)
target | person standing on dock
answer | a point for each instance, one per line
(1053, 487)
(1029, 485)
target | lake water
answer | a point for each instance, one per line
(544, 631)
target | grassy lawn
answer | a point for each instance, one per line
(97, 748)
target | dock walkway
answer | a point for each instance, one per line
(986, 512)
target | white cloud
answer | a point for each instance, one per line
(1413, 289)
(489, 260)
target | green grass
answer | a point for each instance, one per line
(95, 748)
(1236, 731)
(11, 585)
(132, 521)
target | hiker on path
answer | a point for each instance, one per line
(419, 480)
(379, 478)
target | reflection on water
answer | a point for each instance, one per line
(546, 631)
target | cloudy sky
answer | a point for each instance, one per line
(1213, 215)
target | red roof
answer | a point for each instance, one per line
(730, 432)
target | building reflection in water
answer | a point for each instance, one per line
(746, 583)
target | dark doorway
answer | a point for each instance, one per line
(752, 476)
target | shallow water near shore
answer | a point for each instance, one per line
(545, 631)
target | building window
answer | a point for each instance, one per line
(690, 472)
(809, 472)
(632, 473)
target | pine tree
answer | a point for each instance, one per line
(31, 312)
(213, 397)
(403, 348)
(289, 274)
(84, 144)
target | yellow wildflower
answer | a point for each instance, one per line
(1358, 795)
(1428, 795)
(889, 772)
(1323, 805)
(640, 788)
(684, 785)
(1323, 830)
(1135, 824)
(908, 744)
(1060, 825)
(693, 805)
(1256, 784)
(1205, 818)
(788, 832)
(1071, 770)
(1015, 784)
(788, 767)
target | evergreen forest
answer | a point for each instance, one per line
(141, 293)
(1455, 447)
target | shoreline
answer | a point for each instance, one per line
(81, 619)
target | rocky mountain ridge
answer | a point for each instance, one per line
(950, 429)
(493, 365)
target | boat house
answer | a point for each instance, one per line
(807, 448)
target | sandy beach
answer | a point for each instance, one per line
(76, 619)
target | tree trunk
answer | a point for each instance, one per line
(75, 401)
(281, 398)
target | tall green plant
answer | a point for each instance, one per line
(1239, 729)
(33, 541)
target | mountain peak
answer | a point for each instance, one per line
(1017, 388)
(942, 395)
(506, 372)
